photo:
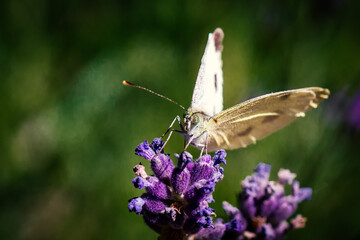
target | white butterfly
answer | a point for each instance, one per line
(209, 128)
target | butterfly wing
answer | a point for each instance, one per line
(207, 96)
(256, 118)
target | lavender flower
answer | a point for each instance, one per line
(176, 201)
(263, 208)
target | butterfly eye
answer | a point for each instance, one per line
(195, 119)
(185, 114)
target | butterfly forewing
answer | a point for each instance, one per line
(207, 96)
(256, 118)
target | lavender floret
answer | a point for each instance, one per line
(156, 145)
(136, 205)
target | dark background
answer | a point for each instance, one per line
(69, 128)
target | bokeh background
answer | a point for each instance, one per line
(69, 128)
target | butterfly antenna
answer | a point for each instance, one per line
(126, 83)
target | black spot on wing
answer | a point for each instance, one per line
(246, 132)
(268, 119)
(215, 82)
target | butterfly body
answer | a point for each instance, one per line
(196, 128)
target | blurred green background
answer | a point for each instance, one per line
(69, 128)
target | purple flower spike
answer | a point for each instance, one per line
(176, 202)
(264, 208)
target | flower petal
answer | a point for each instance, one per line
(144, 150)
(136, 205)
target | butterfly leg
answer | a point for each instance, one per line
(201, 152)
(205, 146)
(167, 139)
(206, 142)
(171, 131)
(188, 143)
(172, 123)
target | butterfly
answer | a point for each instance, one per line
(208, 127)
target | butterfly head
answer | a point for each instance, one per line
(191, 119)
